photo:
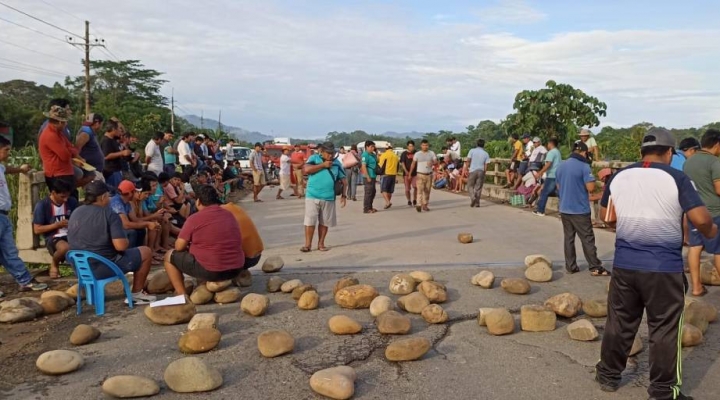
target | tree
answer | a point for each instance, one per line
(554, 111)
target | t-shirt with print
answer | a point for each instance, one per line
(47, 213)
(109, 146)
(285, 165)
(92, 228)
(370, 163)
(424, 161)
(572, 175)
(704, 169)
(406, 158)
(478, 159)
(518, 150)
(118, 206)
(390, 160)
(321, 185)
(554, 157)
(5, 199)
(215, 239)
(649, 201)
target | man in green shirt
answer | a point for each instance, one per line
(369, 163)
(704, 170)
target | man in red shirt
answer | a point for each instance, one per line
(56, 151)
(297, 159)
(209, 246)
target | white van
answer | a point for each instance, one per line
(380, 145)
(241, 154)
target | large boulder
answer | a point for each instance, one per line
(413, 303)
(51, 293)
(190, 375)
(129, 386)
(536, 318)
(203, 320)
(537, 258)
(465, 238)
(380, 304)
(290, 285)
(335, 383)
(201, 295)
(229, 295)
(343, 283)
(565, 304)
(356, 296)
(407, 349)
(695, 315)
(435, 292)
(218, 286)
(707, 309)
(273, 264)
(402, 284)
(243, 279)
(500, 322)
(482, 314)
(298, 291)
(199, 340)
(539, 272)
(55, 304)
(595, 308)
(709, 275)
(72, 291)
(275, 343)
(255, 304)
(171, 315)
(515, 285)
(274, 284)
(691, 336)
(344, 325)
(309, 300)
(484, 279)
(16, 314)
(393, 323)
(84, 334)
(58, 362)
(159, 283)
(421, 276)
(434, 314)
(582, 330)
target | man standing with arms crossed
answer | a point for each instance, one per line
(477, 160)
(258, 171)
(704, 170)
(423, 163)
(647, 200)
(369, 164)
(410, 175)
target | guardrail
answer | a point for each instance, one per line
(29, 188)
(495, 174)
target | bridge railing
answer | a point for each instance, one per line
(496, 169)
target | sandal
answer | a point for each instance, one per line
(600, 272)
(305, 249)
(572, 271)
(323, 248)
(279, 198)
(388, 206)
(702, 293)
(599, 225)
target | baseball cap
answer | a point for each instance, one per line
(658, 137)
(689, 143)
(536, 139)
(584, 132)
(96, 188)
(579, 146)
(526, 136)
(127, 187)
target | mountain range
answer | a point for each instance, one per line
(238, 133)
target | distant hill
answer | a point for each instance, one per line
(403, 135)
(238, 133)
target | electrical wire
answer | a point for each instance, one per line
(21, 69)
(40, 20)
(32, 66)
(61, 10)
(112, 54)
(37, 52)
(34, 30)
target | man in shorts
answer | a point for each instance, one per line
(517, 157)
(258, 171)
(387, 185)
(285, 168)
(96, 228)
(50, 219)
(323, 171)
(209, 246)
(410, 176)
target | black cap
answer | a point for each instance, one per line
(580, 146)
(96, 188)
(689, 143)
(327, 146)
(526, 136)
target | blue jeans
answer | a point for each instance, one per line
(9, 253)
(547, 189)
(136, 237)
(113, 180)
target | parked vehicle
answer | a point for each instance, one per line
(241, 154)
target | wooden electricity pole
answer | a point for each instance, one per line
(87, 45)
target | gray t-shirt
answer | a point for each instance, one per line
(92, 228)
(424, 161)
(5, 199)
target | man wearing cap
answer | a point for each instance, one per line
(552, 161)
(323, 171)
(56, 151)
(687, 148)
(96, 228)
(476, 163)
(258, 171)
(528, 146)
(285, 168)
(704, 170)
(120, 205)
(515, 159)
(153, 156)
(593, 151)
(87, 143)
(535, 157)
(114, 154)
(575, 182)
(647, 201)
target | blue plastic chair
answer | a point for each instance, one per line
(94, 288)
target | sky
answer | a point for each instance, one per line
(302, 68)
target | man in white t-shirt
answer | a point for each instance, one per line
(284, 172)
(153, 157)
(185, 155)
(538, 152)
(593, 150)
(454, 147)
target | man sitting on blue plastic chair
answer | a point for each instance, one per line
(96, 228)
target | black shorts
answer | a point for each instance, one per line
(251, 262)
(387, 185)
(514, 165)
(51, 244)
(129, 261)
(186, 263)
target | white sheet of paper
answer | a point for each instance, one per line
(169, 301)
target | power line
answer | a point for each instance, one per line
(112, 54)
(37, 52)
(39, 20)
(22, 69)
(32, 66)
(61, 10)
(31, 29)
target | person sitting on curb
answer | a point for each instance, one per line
(209, 246)
(50, 219)
(96, 228)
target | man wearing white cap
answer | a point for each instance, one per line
(593, 151)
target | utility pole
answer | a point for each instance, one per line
(219, 123)
(172, 110)
(202, 119)
(87, 45)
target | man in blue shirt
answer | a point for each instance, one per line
(646, 201)
(323, 170)
(687, 148)
(477, 160)
(575, 182)
(552, 161)
(368, 168)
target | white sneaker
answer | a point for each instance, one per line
(539, 214)
(142, 298)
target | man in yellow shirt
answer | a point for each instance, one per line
(389, 161)
(516, 159)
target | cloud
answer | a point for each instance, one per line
(510, 12)
(273, 66)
